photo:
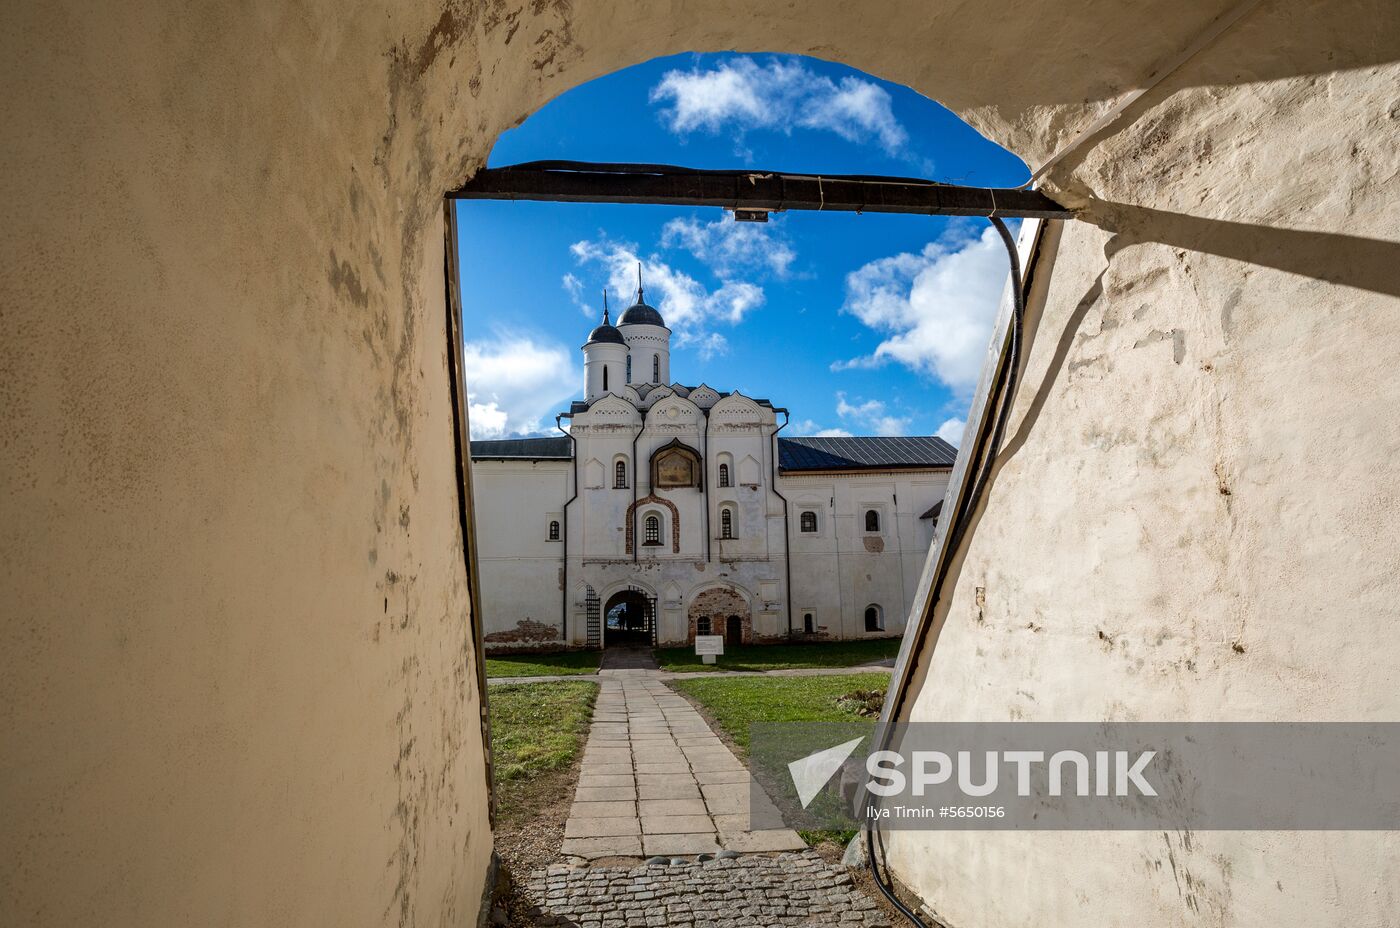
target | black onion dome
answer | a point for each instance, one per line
(640, 313)
(606, 333)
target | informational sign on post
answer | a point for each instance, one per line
(708, 646)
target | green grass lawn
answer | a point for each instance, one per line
(543, 665)
(537, 729)
(734, 703)
(781, 656)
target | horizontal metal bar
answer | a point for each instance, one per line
(754, 190)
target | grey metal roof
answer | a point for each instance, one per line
(640, 313)
(529, 449)
(864, 453)
(933, 512)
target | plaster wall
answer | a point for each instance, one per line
(237, 675)
(521, 568)
(841, 568)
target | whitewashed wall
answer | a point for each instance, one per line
(841, 569)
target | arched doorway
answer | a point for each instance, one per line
(721, 611)
(629, 619)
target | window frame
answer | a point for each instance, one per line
(879, 618)
(649, 521)
(722, 475)
(802, 522)
(726, 524)
(879, 520)
(619, 474)
(553, 531)
(656, 368)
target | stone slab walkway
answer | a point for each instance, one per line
(786, 890)
(655, 780)
(883, 667)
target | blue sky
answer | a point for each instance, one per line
(863, 325)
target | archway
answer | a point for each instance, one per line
(721, 611)
(629, 619)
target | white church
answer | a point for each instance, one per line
(664, 511)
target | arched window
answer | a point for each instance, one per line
(808, 522)
(629, 368)
(726, 523)
(553, 529)
(874, 619)
(872, 520)
(653, 530)
(656, 368)
(620, 475)
(724, 475)
(605, 378)
(809, 623)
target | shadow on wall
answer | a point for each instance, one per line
(1365, 263)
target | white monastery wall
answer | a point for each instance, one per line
(841, 568)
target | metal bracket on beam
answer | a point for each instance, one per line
(750, 192)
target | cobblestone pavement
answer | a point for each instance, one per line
(788, 889)
(654, 779)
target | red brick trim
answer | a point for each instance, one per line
(675, 521)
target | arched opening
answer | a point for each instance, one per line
(874, 618)
(721, 611)
(629, 619)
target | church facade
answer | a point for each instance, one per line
(663, 511)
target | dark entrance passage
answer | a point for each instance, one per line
(734, 630)
(630, 620)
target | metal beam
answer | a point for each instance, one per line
(774, 191)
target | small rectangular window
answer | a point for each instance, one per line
(809, 522)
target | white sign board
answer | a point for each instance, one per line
(709, 644)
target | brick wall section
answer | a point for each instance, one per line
(719, 604)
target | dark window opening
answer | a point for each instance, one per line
(554, 530)
(873, 620)
(809, 522)
(724, 475)
(726, 523)
(653, 530)
(809, 623)
(620, 475)
(872, 520)
(605, 378)
(702, 625)
(656, 368)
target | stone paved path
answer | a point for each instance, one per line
(656, 780)
(789, 889)
(882, 667)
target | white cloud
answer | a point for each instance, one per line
(574, 287)
(707, 346)
(871, 417)
(516, 384)
(936, 308)
(729, 247)
(809, 428)
(951, 431)
(688, 307)
(744, 95)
